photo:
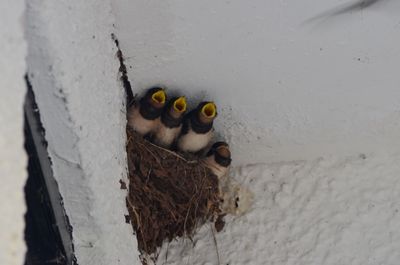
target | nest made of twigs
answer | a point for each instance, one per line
(168, 195)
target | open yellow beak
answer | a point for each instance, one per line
(159, 97)
(180, 104)
(209, 110)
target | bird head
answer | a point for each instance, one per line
(221, 152)
(177, 107)
(156, 97)
(207, 111)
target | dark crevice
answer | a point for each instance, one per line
(47, 229)
(43, 242)
(124, 74)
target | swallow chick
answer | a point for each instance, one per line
(170, 123)
(143, 116)
(218, 159)
(197, 130)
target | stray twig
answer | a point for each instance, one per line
(169, 151)
(134, 211)
(216, 245)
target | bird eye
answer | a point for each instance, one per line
(159, 97)
(209, 110)
(180, 104)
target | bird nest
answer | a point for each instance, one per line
(169, 195)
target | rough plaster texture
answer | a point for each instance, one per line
(12, 155)
(292, 79)
(74, 74)
(327, 211)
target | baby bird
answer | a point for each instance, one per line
(197, 130)
(170, 123)
(218, 159)
(143, 116)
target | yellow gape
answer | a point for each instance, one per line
(159, 97)
(209, 110)
(180, 104)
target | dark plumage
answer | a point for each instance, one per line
(143, 115)
(218, 159)
(170, 122)
(197, 130)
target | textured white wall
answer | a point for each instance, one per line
(290, 84)
(326, 211)
(74, 74)
(292, 79)
(13, 159)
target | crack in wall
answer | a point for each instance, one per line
(130, 97)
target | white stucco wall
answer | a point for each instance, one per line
(291, 80)
(13, 160)
(290, 85)
(326, 211)
(74, 74)
(308, 99)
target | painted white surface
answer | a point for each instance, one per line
(13, 160)
(294, 81)
(287, 88)
(291, 79)
(326, 211)
(74, 73)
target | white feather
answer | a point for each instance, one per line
(194, 142)
(215, 168)
(165, 136)
(140, 124)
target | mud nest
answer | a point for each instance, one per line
(168, 195)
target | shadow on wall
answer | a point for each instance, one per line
(346, 9)
(42, 236)
(44, 246)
